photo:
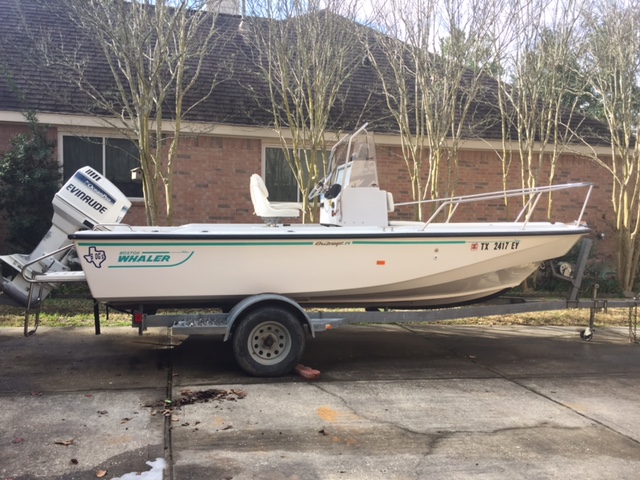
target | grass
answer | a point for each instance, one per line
(615, 317)
(64, 312)
(78, 312)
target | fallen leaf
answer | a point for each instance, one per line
(174, 418)
(17, 440)
(102, 412)
(65, 443)
(101, 473)
(124, 420)
(239, 393)
(36, 394)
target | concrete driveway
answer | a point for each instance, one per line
(393, 402)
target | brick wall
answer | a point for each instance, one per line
(211, 182)
(481, 172)
(9, 130)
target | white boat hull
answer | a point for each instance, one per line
(317, 266)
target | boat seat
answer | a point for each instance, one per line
(390, 205)
(270, 211)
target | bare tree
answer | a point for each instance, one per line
(542, 99)
(156, 51)
(430, 59)
(613, 62)
(306, 57)
(504, 33)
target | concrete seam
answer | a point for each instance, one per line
(168, 444)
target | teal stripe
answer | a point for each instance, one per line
(193, 244)
(267, 243)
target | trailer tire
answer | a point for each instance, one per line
(268, 342)
(586, 336)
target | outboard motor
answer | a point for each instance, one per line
(86, 200)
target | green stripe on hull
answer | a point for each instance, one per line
(194, 244)
(268, 244)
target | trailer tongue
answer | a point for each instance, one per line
(86, 200)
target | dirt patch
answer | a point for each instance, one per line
(189, 397)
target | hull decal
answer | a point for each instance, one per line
(152, 257)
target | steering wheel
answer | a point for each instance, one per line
(333, 191)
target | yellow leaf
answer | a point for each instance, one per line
(66, 443)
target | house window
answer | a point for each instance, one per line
(279, 178)
(113, 157)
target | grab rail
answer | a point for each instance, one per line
(534, 194)
(25, 269)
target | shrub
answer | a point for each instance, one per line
(29, 178)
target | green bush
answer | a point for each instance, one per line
(29, 178)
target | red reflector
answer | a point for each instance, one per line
(381, 262)
(137, 318)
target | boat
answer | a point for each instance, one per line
(355, 256)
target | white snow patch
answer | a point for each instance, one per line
(157, 468)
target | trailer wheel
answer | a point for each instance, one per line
(586, 335)
(268, 342)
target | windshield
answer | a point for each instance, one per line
(353, 161)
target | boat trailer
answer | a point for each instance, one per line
(266, 329)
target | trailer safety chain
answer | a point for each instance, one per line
(633, 324)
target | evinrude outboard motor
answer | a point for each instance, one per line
(86, 200)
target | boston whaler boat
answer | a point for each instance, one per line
(354, 257)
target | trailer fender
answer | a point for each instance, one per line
(264, 299)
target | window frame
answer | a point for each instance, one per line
(95, 133)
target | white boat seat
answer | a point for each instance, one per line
(390, 205)
(270, 211)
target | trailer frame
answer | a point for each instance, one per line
(275, 342)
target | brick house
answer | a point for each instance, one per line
(229, 137)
